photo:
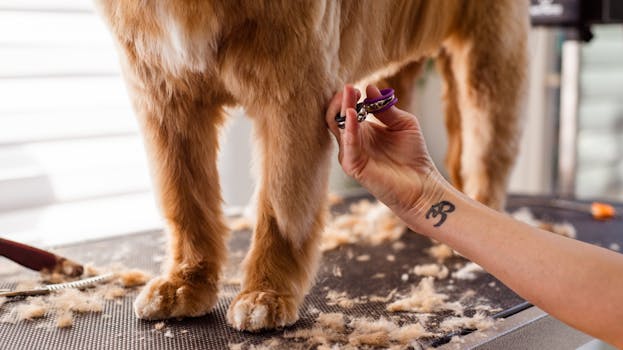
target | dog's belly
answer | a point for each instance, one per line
(201, 36)
(166, 34)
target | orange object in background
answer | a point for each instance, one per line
(602, 211)
(597, 210)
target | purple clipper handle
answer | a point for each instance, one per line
(385, 94)
(370, 105)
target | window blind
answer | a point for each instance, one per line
(68, 137)
(600, 138)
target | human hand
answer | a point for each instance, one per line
(389, 159)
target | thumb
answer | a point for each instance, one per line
(394, 118)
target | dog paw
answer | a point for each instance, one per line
(164, 298)
(254, 311)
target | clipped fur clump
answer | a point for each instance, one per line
(28, 311)
(62, 305)
(383, 299)
(423, 298)
(133, 278)
(64, 319)
(371, 332)
(431, 270)
(384, 332)
(368, 223)
(328, 329)
(342, 299)
(478, 321)
(440, 252)
(468, 271)
(337, 331)
(334, 321)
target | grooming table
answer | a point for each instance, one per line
(121, 330)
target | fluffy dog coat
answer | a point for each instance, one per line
(282, 60)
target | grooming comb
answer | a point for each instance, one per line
(80, 284)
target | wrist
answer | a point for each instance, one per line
(431, 208)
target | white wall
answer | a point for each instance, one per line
(535, 165)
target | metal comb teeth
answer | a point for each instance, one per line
(88, 282)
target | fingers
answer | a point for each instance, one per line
(341, 101)
(351, 143)
(393, 117)
(349, 98)
(332, 110)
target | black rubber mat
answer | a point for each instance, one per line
(117, 328)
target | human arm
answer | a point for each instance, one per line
(580, 284)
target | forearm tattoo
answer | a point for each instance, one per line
(440, 209)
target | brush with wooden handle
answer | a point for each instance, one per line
(39, 259)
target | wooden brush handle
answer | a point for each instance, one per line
(38, 259)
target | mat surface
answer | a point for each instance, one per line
(117, 327)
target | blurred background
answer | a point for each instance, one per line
(72, 166)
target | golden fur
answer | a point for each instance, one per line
(185, 60)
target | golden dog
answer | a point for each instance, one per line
(185, 60)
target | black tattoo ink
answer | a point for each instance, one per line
(442, 208)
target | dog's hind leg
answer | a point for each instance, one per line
(281, 263)
(179, 119)
(452, 117)
(489, 62)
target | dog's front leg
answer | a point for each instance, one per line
(179, 117)
(291, 206)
